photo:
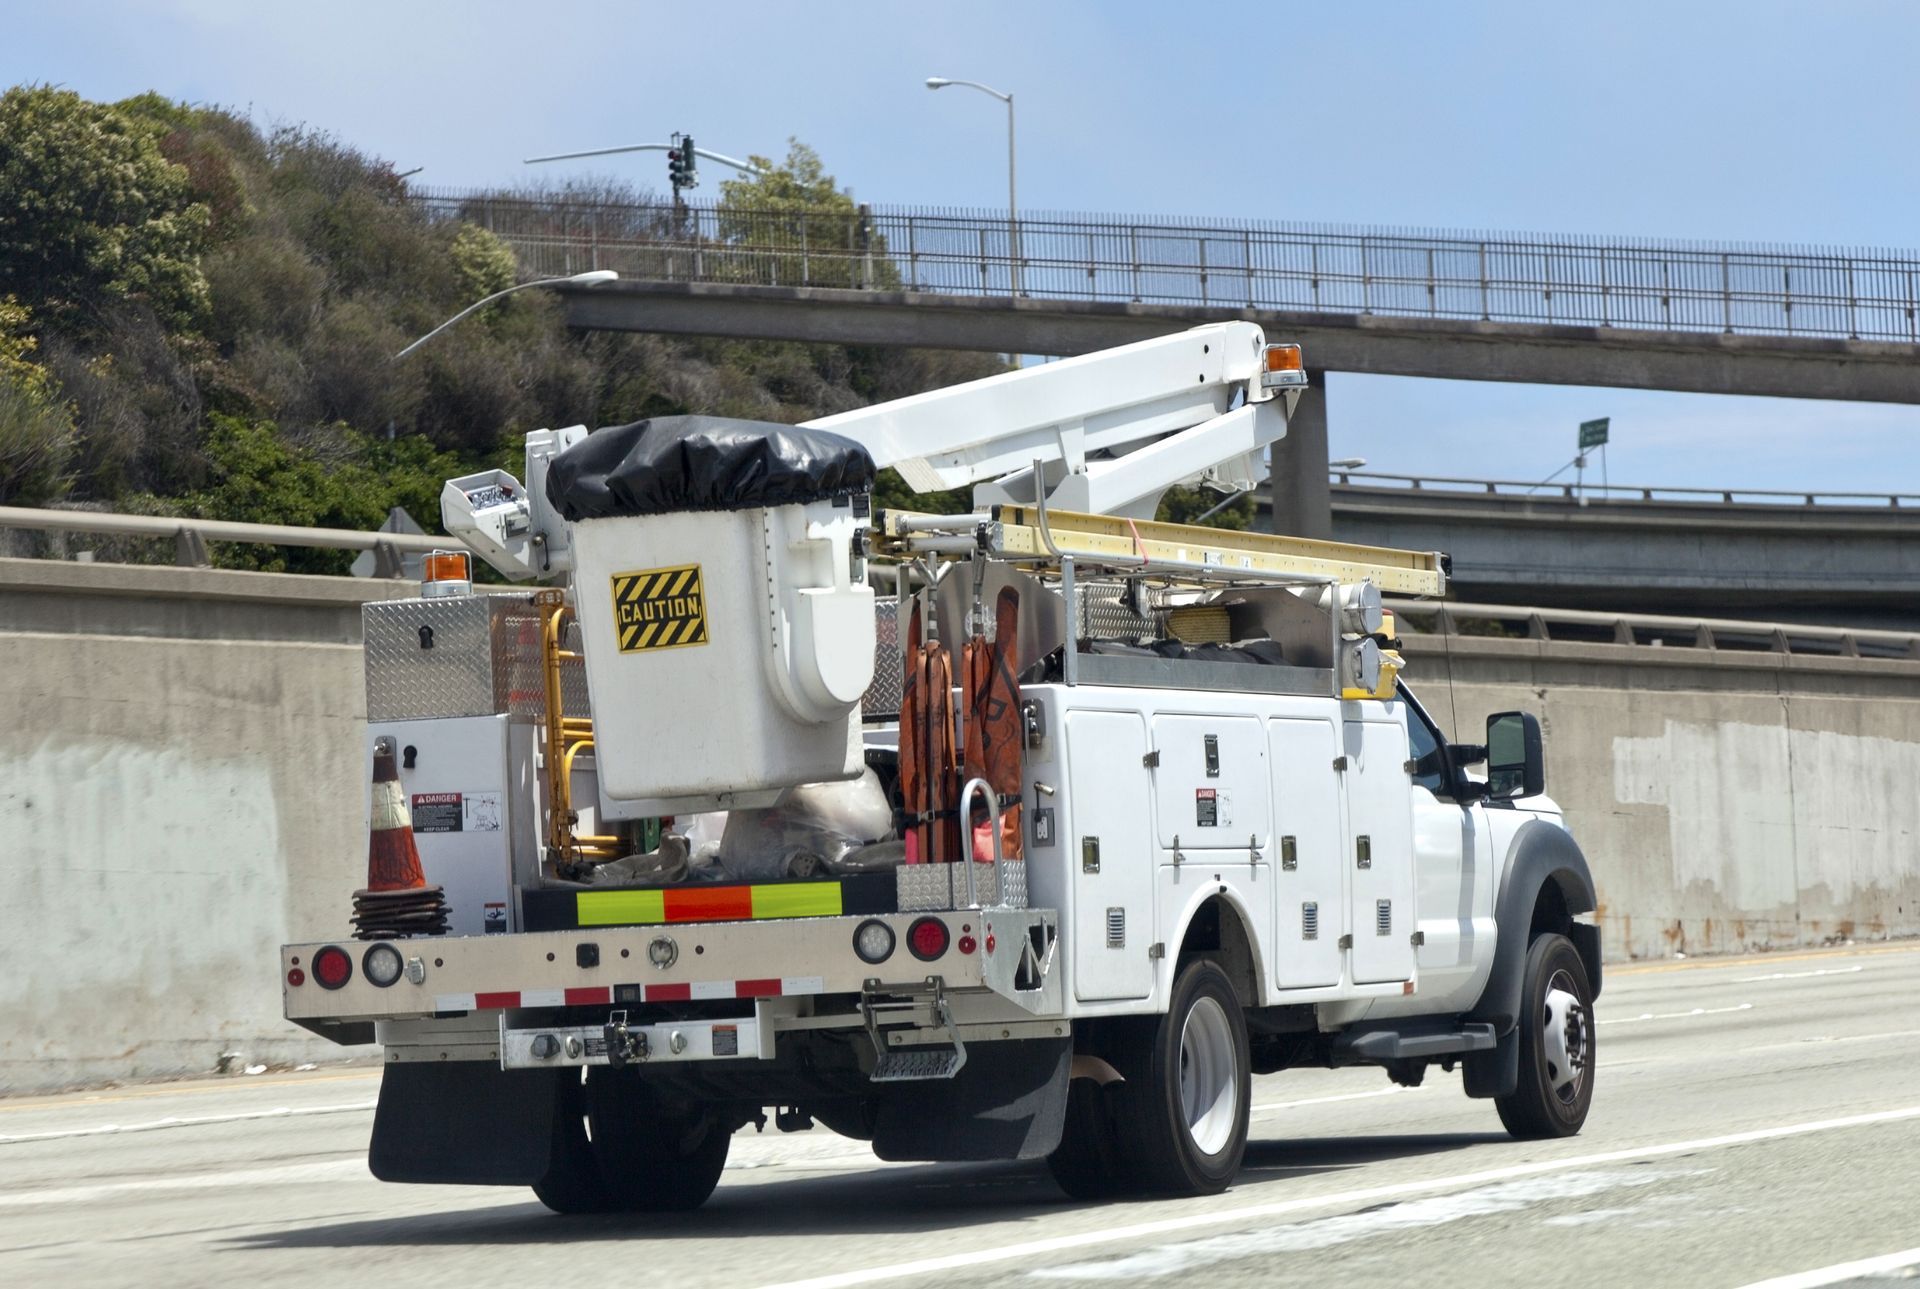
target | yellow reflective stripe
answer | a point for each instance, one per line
(611, 908)
(800, 900)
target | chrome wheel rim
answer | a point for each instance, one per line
(1209, 1076)
(1566, 1035)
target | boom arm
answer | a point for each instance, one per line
(1113, 430)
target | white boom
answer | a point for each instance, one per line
(1113, 429)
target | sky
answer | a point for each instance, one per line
(1752, 121)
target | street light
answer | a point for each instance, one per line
(1013, 211)
(593, 278)
(1348, 463)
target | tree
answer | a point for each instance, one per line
(92, 212)
(792, 225)
(36, 428)
(1186, 505)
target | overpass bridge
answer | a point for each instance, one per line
(1841, 558)
(1541, 309)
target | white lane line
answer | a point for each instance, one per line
(1330, 1232)
(1832, 1038)
(1798, 975)
(197, 1121)
(332, 1170)
(1833, 1275)
(1274, 1107)
(1688, 1015)
(1259, 1212)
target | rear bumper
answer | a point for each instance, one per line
(681, 963)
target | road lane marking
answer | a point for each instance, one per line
(1828, 1038)
(1345, 1228)
(288, 1174)
(198, 1121)
(1271, 1107)
(1798, 975)
(1686, 1015)
(1840, 1271)
(1201, 1220)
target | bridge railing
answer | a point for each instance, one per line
(190, 536)
(1651, 630)
(1618, 491)
(1494, 277)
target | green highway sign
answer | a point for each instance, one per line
(1593, 433)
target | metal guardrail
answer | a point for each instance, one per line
(1620, 491)
(1491, 277)
(190, 536)
(1568, 626)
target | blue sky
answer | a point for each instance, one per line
(1754, 121)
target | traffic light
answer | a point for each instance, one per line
(682, 171)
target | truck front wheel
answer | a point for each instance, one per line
(1557, 1044)
(1181, 1115)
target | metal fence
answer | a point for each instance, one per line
(1567, 490)
(1626, 283)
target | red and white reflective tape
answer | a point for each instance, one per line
(598, 995)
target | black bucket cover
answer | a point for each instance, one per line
(677, 463)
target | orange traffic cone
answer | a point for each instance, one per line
(393, 861)
(397, 901)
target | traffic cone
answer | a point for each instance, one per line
(393, 861)
(397, 901)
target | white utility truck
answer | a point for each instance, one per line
(1030, 832)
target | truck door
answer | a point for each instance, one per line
(1308, 855)
(1111, 853)
(1451, 856)
(1380, 844)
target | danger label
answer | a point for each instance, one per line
(438, 812)
(659, 608)
(1206, 807)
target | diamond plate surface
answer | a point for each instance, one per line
(923, 888)
(1103, 615)
(917, 1064)
(484, 659)
(882, 698)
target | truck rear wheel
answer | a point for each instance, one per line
(573, 1182)
(658, 1156)
(1557, 1044)
(1180, 1118)
(1087, 1163)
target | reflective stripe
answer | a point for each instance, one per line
(801, 900)
(709, 904)
(611, 908)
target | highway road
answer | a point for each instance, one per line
(1753, 1119)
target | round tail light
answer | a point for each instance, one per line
(927, 938)
(332, 967)
(873, 941)
(382, 965)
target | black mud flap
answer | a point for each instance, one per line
(1008, 1102)
(1495, 1073)
(464, 1122)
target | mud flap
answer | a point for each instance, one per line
(1495, 1073)
(1008, 1102)
(464, 1122)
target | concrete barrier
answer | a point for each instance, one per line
(181, 792)
(1726, 800)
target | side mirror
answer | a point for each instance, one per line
(1516, 765)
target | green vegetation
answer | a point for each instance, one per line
(198, 317)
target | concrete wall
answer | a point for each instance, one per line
(181, 792)
(1725, 800)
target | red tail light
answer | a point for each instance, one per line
(927, 938)
(332, 967)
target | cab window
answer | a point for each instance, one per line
(1423, 741)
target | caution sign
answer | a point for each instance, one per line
(660, 608)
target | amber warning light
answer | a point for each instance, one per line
(1283, 368)
(446, 573)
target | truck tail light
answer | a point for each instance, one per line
(332, 967)
(927, 938)
(873, 941)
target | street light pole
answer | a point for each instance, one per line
(578, 279)
(1013, 207)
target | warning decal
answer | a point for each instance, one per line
(659, 608)
(437, 812)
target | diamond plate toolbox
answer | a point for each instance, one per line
(470, 655)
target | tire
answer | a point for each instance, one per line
(654, 1156)
(1087, 1164)
(1558, 1044)
(1180, 1119)
(573, 1183)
